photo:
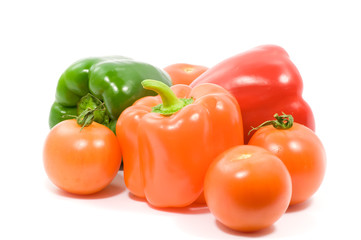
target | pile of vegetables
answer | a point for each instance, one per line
(188, 134)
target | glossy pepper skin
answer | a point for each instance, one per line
(264, 81)
(166, 156)
(114, 81)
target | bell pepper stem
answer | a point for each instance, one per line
(283, 121)
(170, 102)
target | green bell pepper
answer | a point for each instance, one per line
(105, 86)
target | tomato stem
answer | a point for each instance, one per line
(91, 109)
(283, 121)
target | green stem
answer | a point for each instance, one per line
(91, 109)
(170, 103)
(282, 122)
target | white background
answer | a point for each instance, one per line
(40, 39)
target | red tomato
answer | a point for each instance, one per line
(81, 161)
(247, 188)
(183, 73)
(301, 151)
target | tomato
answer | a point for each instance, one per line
(81, 161)
(247, 188)
(183, 73)
(301, 151)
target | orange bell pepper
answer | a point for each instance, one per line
(168, 141)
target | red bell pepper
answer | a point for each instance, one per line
(264, 81)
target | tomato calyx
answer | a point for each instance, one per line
(91, 109)
(283, 122)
